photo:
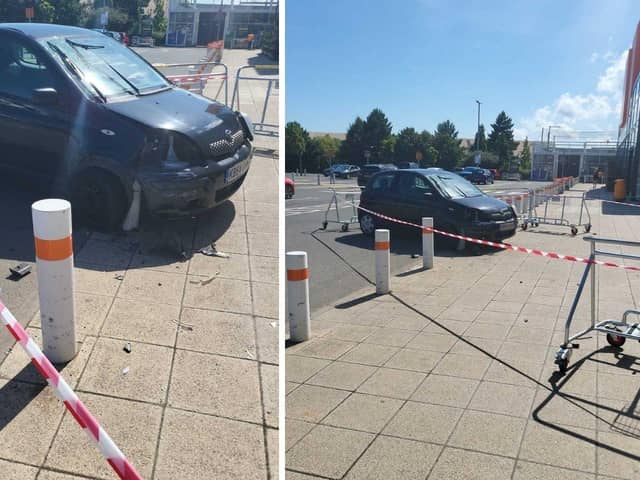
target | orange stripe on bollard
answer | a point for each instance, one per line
(297, 275)
(54, 250)
(382, 245)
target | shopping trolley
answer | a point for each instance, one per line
(617, 331)
(559, 210)
(351, 199)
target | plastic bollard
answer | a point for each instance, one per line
(427, 242)
(298, 296)
(383, 268)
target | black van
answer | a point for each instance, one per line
(455, 204)
(88, 118)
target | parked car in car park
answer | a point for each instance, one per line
(91, 120)
(367, 171)
(327, 171)
(475, 175)
(347, 171)
(455, 204)
(496, 173)
(289, 188)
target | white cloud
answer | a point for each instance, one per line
(596, 110)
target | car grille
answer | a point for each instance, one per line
(504, 214)
(226, 146)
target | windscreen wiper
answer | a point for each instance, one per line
(128, 82)
(75, 70)
(83, 45)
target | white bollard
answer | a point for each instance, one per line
(54, 262)
(318, 179)
(427, 242)
(298, 296)
(383, 270)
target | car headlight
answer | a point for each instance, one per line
(247, 125)
(169, 149)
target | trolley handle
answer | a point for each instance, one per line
(629, 312)
(611, 241)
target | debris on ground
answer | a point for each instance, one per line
(211, 251)
(125, 370)
(127, 347)
(119, 277)
(274, 324)
(20, 270)
(249, 354)
(205, 281)
(415, 255)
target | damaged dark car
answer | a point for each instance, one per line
(90, 120)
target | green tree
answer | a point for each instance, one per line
(377, 129)
(525, 159)
(352, 149)
(313, 157)
(159, 22)
(387, 149)
(500, 140)
(118, 20)
(483, 140)
(447, 144)
(295, 141)
(45, 12)
(329, 147)
(408, 142)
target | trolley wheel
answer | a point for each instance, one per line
(524, 226)
(324, 225)
(536, 224)
(587, 227)
(563, 365)
(345, 227)
(574, 231)
(615, 340)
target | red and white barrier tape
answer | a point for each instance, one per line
(63, 391)
(506, 246)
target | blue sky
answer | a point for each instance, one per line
(545, 62)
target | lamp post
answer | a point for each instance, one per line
(478, 134)
(549, 133)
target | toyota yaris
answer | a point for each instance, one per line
(87, 117)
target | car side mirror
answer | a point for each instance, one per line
(45, 96)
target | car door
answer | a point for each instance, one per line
(378, 193)
(413, 198)
(34, 136)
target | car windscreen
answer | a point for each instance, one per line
(105, 66)
(454, 186)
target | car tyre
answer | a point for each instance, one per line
(367, 224)
(98, 200)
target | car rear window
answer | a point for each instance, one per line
(370, 168)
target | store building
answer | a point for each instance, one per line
(628, 158)
(195, 23)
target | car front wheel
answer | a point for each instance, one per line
(98, 200)
(367, 224)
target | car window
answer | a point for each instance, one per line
(413, 185)
(22, 70)
(382, 183)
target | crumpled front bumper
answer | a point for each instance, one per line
(193, 190)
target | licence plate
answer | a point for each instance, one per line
(236, 171)
(506, 226)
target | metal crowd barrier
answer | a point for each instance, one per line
(617, 331)
(260, 127)
(196, 79)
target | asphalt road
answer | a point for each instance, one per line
(331, 278)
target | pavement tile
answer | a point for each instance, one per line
(618, 387)
(618, 454)
(535, 471)
(574, 411)
(334, 451)
(416, 360)
(345, 376)
(233, 242)
(389, 382)
(329, 348)
(559, 446)
(464, 465)
(432, 341)
(465, 366)
(290, 387)
(264, 269)
(133, 426)
(414, 323)
(193, 444)
(500, 398)
(222, 333)
(263, 244)
(273, 448)
(221, 294)
(421, 421)
(269, 376)
(90, 312)
(17, 471)
(369, 354)
(503, 318)
(51, 475)
(142, 321)
(395, 459)
(111, 254)
(460, 314)
(295, 430)
(311, 403)
(480, 347)
(265, 299)
(523, 332)
(158, 261)
(504, 306)
(514, 373)
(489, 433)
(267, 339)
(216, 385)
(300, 369)
(152, 286)
(235, 267)
(495, 331)
(514, 351)
(392, 337)
(368, 413)
(262, 224)
(29, 416)
(300, 476)
(351, 333)
(147, 376)
(94, 280)
(445, 390)
(456, 326)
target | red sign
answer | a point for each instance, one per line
(28, 12)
